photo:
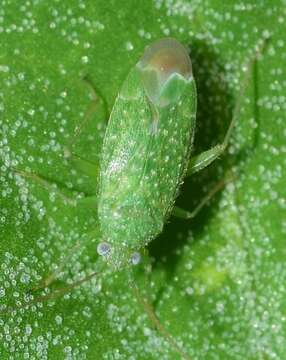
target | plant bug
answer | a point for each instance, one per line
(145, 157)
(146, 149)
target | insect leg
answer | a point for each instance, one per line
(49, 279)
(156, 322)
(97, 104)
(89, 168)
(55, 294)
(199, 162)
(97, 111)
(202, 160)
(184, 214)
(51, 185)
(66, 289)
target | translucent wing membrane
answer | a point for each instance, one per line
(162, 65)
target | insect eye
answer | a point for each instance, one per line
(103, 249)
(160, 62)
(135, 258)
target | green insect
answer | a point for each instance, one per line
(146, 151)
(146, 155)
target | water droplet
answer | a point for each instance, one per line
(28, 329)
(2, 292)
(25, 278)
(84, 59)
(58, 320)
(135, 258)
(103, 249)
(129, 46)
(4, 68)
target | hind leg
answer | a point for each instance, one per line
(200, 161)
(97, 112)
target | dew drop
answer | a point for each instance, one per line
(129, 46)
(4, 68)
(2, 292)
(103, 249)
(84, 59)
(25, 278)
(135, 258)
(58, 320)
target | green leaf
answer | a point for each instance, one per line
(218, 282)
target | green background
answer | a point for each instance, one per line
(217, 283)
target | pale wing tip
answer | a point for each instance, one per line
(167, 56)
(160, 62)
